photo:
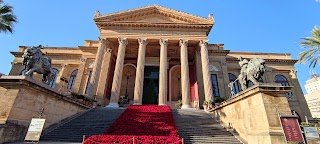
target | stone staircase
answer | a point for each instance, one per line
(94, 121)
(197, 126)
(194, 126)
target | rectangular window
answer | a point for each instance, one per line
(88, 83)
(215, 86)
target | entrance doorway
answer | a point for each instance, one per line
(151, 85)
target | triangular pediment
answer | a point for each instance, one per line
(153, 14)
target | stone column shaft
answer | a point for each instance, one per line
(138, 89)
(61, 86)
(185, 83)
(81, 69)
(104, 75)
(116, 83)
(226, 81)
(97, 67)
(163, 72)
(208, 91)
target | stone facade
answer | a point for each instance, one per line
(176, 43)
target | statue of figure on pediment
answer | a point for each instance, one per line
(97, 14)
(34, 61)
(252, 70)
(210, 17)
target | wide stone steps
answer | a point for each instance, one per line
(197, 126)
(95, 121)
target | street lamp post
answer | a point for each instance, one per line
(179, 93)
(128, 74)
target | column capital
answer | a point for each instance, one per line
(142, 41)
(64, 65)
(102, 40)
(163, 42)
(107, 50)
(123, 41)
(183, 42)
(293, 73)
(203, 43)
(82, 59)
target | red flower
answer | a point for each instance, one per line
(141, 124)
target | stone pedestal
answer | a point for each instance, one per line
(253, 113)
(22, 97)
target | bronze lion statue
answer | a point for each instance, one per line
(252, 70)
(34, 61)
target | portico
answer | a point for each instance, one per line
(161, 52)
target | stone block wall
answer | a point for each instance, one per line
(253, 113)
(22, 97)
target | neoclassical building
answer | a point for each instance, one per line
(158, 48)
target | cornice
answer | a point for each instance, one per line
(88, 49)
(58, 48)
(19, 54)
(267, 60)
(255, 53)
(143, 25)
(218, 52)
(146, 24)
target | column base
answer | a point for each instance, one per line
(186, 107)
(113, 105)
(162, 104)
(137, 104)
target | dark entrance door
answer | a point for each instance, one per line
(150, 85)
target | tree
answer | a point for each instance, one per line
(312, 43)
(7, 18)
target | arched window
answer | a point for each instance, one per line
(284, 82)
(235, 88)
(215, 85)
(72, 79)
(53, 81)
(88, 83)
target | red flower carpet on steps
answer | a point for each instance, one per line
(141, 124)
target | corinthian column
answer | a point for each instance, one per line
(115, 90)
(185, 83)
(163, 72)
(208, 91)
(97, 67)
(138, 89)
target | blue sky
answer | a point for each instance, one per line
(255, 26)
